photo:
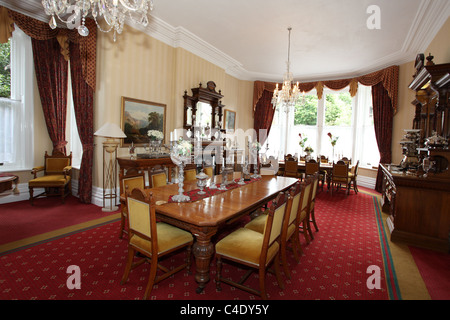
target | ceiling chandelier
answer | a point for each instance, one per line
(113, 12)
(287, 97)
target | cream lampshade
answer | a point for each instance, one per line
(111, 132)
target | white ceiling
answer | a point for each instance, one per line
(329, 39)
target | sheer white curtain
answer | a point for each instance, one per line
(16, 114)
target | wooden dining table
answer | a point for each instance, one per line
(204, 218)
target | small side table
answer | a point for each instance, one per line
(6, 181)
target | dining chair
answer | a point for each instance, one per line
(190, 175)
(347, 160)
(291, 168)
(158, 179)
(311, 207)
(311, 167)
(208, 171)
(290, 232)
(128, 181)
(339, 176)
(154, 240)
(323, 159)
(255, 250)
(353, 174)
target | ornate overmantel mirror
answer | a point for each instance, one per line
(203, 112)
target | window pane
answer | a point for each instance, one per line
(338, 109)
(5, 70)
(306, 111)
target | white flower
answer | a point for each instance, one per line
(184, 147)
(155, 135)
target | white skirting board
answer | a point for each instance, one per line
(97, 193)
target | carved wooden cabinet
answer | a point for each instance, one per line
(418, 207)
(431, 82)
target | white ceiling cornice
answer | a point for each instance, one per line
(429, 18)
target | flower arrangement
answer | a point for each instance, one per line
(256, 145)
(333, 141)
(184, 147)
(308, 149)
(302, 141)
(155, 135)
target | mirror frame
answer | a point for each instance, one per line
(206, 95)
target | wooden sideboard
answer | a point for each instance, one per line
(418, 207)
(145, 164)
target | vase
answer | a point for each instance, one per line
(180, 161)
(155, 147)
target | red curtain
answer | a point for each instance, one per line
(383, 114)
(264, 112)
(51, 74)
(83, 101)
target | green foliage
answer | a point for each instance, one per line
(5, 71)
(338, 109)
(306, 113)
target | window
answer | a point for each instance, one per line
(16, 107)
(16, 104)
(73, 139)
(349, 119)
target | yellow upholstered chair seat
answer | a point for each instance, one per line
(169, 237)
(245, 245)
(55, 180)
(259, 223)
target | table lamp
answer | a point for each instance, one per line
(111, 132)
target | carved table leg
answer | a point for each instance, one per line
(203, 252)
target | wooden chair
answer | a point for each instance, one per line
(323, 159)
(128, 181)
(57, 178)
(253, 249)
(291, 169)
(209, 171)
(312, 167)
(347, 160)
(340, 176)
(311, 207)
(353, 174)
(190, 175)
(158, 179)
(154, 240)
(290, 233)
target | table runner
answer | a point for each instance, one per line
(195, 196)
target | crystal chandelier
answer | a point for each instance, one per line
(112, 11)
(288, 95)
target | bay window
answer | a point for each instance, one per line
(349, 119)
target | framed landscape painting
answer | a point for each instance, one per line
(230, 120)
(138, 117)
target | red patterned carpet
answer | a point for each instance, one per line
(333, 266)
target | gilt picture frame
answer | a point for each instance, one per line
(138, 117)
(230, 120)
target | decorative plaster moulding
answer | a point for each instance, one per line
(431, 16)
